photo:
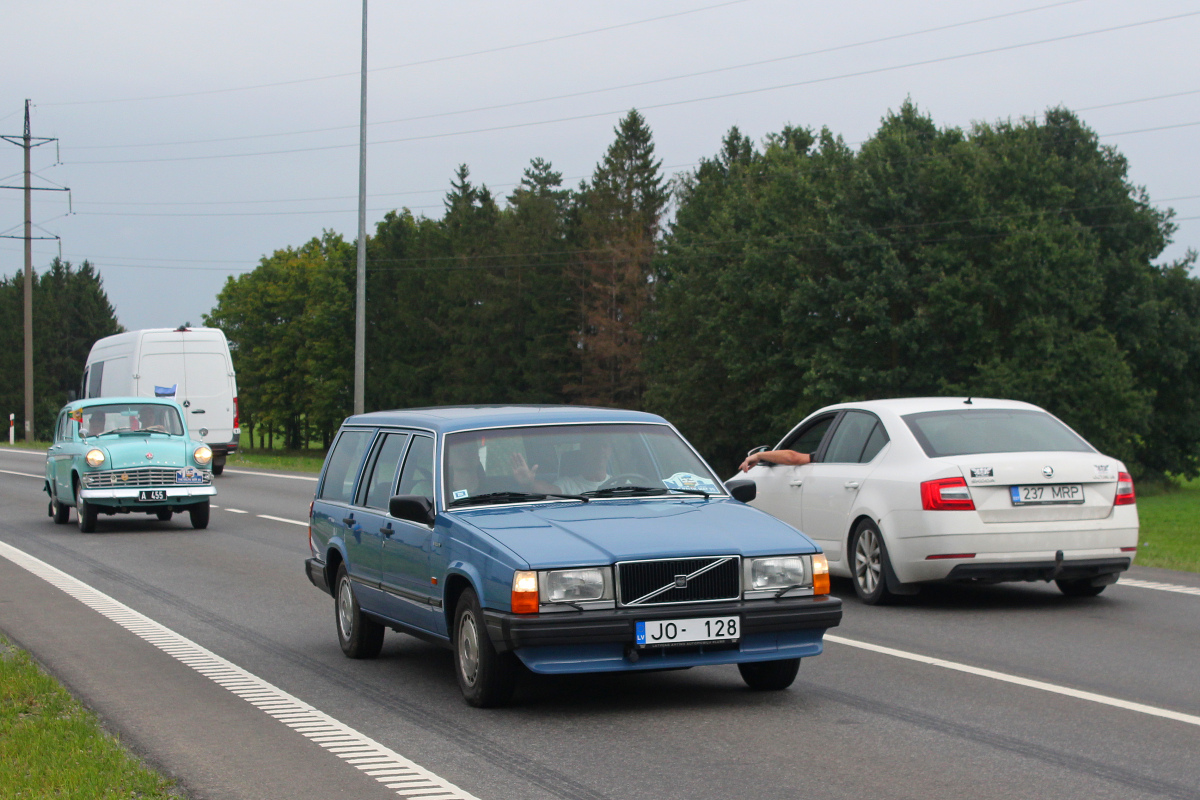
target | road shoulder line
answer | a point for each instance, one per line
(353, 747)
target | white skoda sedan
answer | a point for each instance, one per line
(903, 492)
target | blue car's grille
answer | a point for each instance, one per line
(137, 476)
(679, 580)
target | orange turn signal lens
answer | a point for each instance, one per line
(820, 572)
(525, 593)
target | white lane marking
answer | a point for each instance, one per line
(1128, 705)
(1162, 587)
(22, 474)
(236, 511)
(281, 519)
(354, 748)
(273, 475)
(23, 452)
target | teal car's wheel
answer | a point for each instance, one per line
(486, 678)
(199, 514)
(85, 511)
(770, 676)
(359, 636)
(60, 512)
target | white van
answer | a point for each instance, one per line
(191, 365)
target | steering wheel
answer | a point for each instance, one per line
(627, 479)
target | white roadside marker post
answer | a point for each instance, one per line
(11, 431)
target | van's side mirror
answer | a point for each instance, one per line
(412, 507)
(742, 489)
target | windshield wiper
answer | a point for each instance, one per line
(700, 492)
(626, 491)
(511, 497)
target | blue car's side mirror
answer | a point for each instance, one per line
(742, 489)
(412, 507)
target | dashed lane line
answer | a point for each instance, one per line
(281, 519)
(1004, 677)
(408, 779)
(312, 478)
(1162, 587)
(22, 474)
(236, 510)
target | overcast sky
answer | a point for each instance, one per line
(198, 137)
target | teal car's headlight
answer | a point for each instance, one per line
(576, 585)
(203, 455)
(94, 458)
(775, 574)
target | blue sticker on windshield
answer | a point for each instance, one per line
(460, 494)
(686, 480)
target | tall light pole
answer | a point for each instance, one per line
(360, 294)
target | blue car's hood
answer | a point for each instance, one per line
(603, 532)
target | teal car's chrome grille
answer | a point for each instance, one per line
(139, 476)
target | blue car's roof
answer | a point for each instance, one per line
(447, 419)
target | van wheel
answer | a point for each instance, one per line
(199, 514)
(60, 512)
(86, 512)
(359, 636)
(486, 678)
(769, 676)
(870, 564)
(218, 465)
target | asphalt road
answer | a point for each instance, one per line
(986, 692)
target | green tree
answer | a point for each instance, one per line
(70, 312)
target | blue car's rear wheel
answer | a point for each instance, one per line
(358, 635)
(770, 676)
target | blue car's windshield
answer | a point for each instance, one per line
(587, 460)
(130, 418)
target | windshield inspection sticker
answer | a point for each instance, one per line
(1104, 472)
(460, 494)
(686, 480)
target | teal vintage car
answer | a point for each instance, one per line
(121, 455)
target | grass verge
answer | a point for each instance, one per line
(291, 460)
(1170, 527)
(51, 746)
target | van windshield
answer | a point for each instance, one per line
(129, 418)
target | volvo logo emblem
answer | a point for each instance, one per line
(681, 581)
(1048, 471)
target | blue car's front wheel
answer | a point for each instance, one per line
(769, 676)
(486, 678)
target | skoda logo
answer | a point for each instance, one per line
(681, 581)
(1048, 471)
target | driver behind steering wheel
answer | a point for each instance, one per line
(593, 471)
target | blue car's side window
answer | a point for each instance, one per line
(344, 461)
(417, 477)
(383, 470)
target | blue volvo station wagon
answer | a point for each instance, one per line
(562, 538)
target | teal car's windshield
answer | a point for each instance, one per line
(588, 461)
(129, 418)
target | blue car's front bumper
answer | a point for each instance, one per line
(602, 641)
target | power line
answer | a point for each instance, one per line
(571, 95)
(424, 62)
(668, 104)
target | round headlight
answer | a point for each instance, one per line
(94, 458)
(202, 455)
